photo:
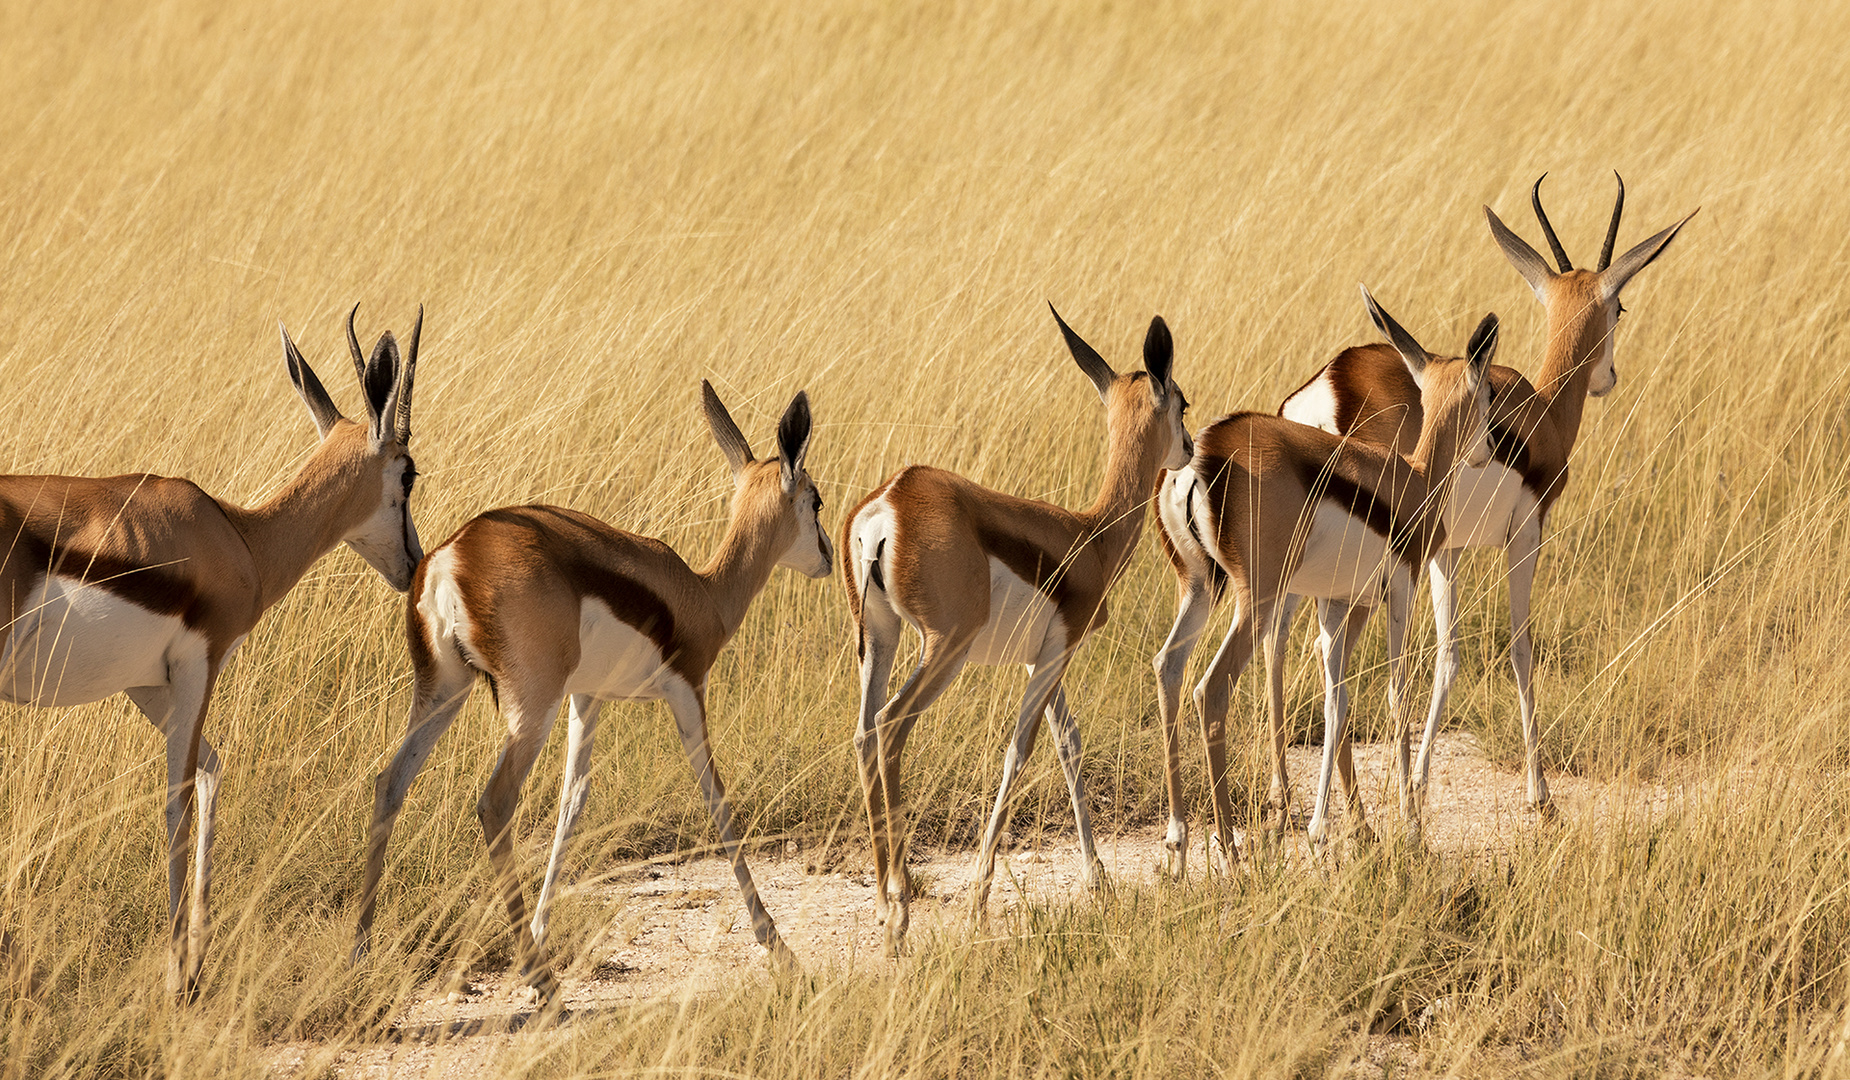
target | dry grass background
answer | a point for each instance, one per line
(601, 204)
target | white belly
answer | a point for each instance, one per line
(1343, 559)
(615, 660)
(1020, 618)
(78, 643)
(1483, 506)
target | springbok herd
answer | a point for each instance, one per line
(1388, 459)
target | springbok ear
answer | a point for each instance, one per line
(793, 439)
(726, 433)
(1482, 348)
(1159, 354)
(1527, 261)
(382, 373)
(1614, 278)
(1411, 352)
(1087, 357)
(396, 413)
(321, 408)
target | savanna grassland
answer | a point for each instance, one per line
(600, 204)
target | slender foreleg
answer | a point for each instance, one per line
(178, 711)
(1444, 569)
(689, 704)
(1274, 632)
(1340, 626)
(1398, 596)
(1066, 730)
(1524, 547)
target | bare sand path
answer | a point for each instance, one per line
(676, 928)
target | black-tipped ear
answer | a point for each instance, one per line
(1411, 352)
(726, 433)
(1159, 355)
(1087, 357)
(321, 408)
(381, 377)
(793, 437)
(1482, 348)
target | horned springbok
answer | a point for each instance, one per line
(1273, 510)
(995, 579)
(146, 584)
(1365, 394)
(550, 603)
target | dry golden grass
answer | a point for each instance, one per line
(601, 204)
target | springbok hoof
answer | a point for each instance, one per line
(1548, 813)
(1222, 859)
(783, 961)
(539, 987)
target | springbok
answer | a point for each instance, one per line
(146, 584)
(994, 579)
(550, 603)
(1273, 510)
(1365, 394)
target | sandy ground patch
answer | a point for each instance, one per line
(680, 928)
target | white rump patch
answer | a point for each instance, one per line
(873, 525)
(79, 643)
(1172, 507)
(441, 604)
(1314, 404)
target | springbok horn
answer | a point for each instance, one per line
(1554, 242)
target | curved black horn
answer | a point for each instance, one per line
(353, 346)
(401, 419)
(1554, 242)
(1612, 230)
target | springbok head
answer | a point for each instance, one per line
(1582, 303)
(1453, 390)
(369, 467)
(1145, 406)
(776, 496)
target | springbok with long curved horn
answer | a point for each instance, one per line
(1365, 393)
(1271, 510)
(551, 603)
(990, 578)
(146, 584)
